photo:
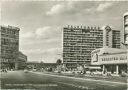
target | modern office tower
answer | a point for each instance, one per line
(9, 46)
(80, 41)
(125, 31)
(111, 38)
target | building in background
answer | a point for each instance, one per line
(41, 65)
(9, 46)
(33, 64)
(80, 41)
(21, 62)
(110, 59)
(10, 56)
(125, 31)
(111, 38)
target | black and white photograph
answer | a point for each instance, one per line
(63, 45)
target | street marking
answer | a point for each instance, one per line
(106, 84)
(76, 86)
(81, 78)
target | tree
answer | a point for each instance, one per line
(59, 61)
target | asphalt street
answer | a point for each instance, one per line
(42, 81)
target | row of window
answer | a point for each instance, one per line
(7, 60)
(9, 47)
(6, 41)
(8, 51)
(84, 46)
(9, 31)
(78, 28)
(83, 36)
(10, 36)
(84, 41)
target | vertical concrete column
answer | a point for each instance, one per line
(117, 69)
(110, 39)
(104, 37)
(16, 65)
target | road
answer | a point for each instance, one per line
(42, 81)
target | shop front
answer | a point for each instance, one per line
(111, 60)
(114, 68)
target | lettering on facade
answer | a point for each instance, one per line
(114, 58)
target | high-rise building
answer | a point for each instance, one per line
(80, 41)
(125, 31)
(9, 46)
(111, 38)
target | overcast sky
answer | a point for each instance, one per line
(41, 22)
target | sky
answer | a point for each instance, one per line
(41, 22)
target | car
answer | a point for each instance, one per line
(88, 72)
(34, 70)
(26, 71)
(4, 70)
(97, 72)
(56, 71)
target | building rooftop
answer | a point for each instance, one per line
(125, 14)
(82, 27)
(90, 27)
(10, 27)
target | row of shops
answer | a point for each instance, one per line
(110, 60)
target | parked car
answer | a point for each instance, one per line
(34, 70)
(123, 74)
(26, 71)
(4, 70)
(88, 72)
(97, 73)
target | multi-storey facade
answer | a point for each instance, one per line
(116, 39)
(111, 38)
(125, 31)
(79, 42)
(9, 46)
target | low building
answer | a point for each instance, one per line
(42, 66)
(110, 59)
(33, 64)
(51, 65)
(21, 62)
